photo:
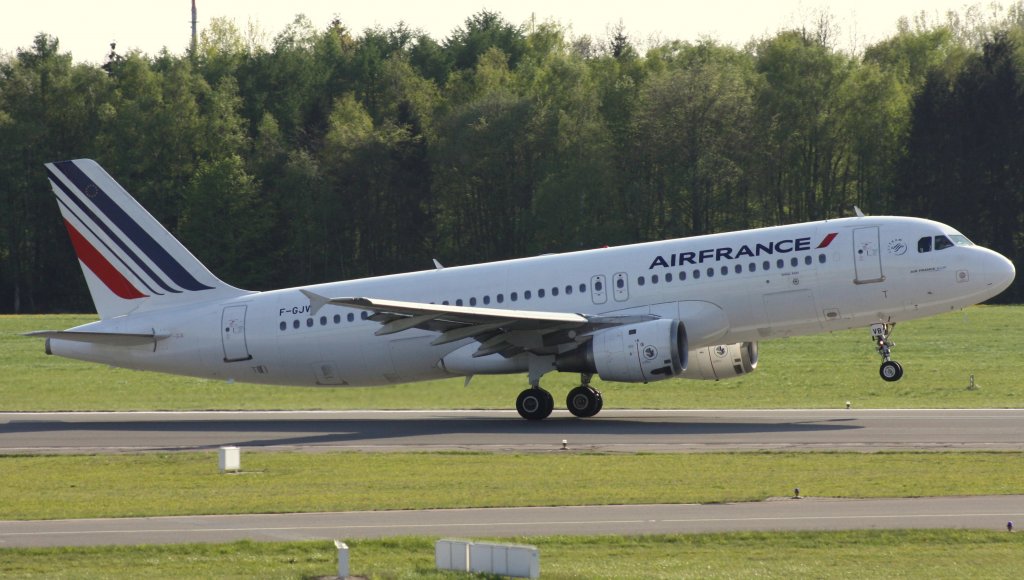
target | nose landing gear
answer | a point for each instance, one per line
(880, 333)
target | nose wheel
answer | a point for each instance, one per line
(890, 370)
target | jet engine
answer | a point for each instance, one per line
(632, 353)
(723, 361)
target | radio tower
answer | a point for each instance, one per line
(192, 47)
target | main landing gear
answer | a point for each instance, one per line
(880, 334)
(535, 403)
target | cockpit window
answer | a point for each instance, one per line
(924, 244)
(942, 242)
(961, 240)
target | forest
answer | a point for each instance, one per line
(321, 154)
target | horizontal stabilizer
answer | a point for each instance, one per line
(109, 338)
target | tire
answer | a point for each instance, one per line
(891, 371)
(584, 401)
(534, 404)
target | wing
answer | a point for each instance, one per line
(505, 332)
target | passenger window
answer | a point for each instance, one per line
(323, 321)
(598, 286)
(295, 324)
(364, 315)
(540, 293)
(501, 298)
(654, 279)
(942, 242)
(640, 281)
(487, 299)
(780, 263)
(711, 272)
(924, 245)
(766, 265)
(527, 295)
(794, 262)
(554, 291)
(472, 301)
(458, 302)
(309, 323)
(583, 288)
(739, 269)
(668, 277)
(725, 270)
(337, 319)
(682, 276)
(751, 267)
(808, 260)
(568, 289)
(620, 283)
(351, 317)
(445, 302)
(821, 258)
(514, 297)
(696, 274)
(283, 325)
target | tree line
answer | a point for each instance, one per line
(322, 155)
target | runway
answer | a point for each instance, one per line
(504, 431)
(984, 512)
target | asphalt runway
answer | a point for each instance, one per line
(983, 512)
(504, 431)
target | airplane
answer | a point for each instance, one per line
(691, 308)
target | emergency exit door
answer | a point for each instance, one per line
(232, 332)
(867, 257)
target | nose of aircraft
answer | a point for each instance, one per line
(999, 272)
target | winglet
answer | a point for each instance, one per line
(437, 264)
(316, 301)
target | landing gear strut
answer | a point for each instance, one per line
(584, 400)
(880, 334)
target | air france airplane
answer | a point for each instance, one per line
(692, 308)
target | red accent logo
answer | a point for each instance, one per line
(828, 240)
(102, 267)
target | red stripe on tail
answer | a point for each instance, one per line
(102, 267)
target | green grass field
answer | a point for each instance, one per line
(59, 487)
(857, 554)
(821, 371)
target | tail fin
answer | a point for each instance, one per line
(130, 261)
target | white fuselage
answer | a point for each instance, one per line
(726, 288)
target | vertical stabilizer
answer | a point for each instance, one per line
(130, 261)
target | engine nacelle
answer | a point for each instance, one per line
(723, 361)
(632, 353)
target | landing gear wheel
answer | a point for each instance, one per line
(891, 371)
(535, 404)
(584, 401)
(881, 334)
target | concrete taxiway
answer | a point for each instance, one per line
(991, 512)
(613, 430)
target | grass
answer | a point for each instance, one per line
(822, 371)
(57, 487)
(848, 554)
